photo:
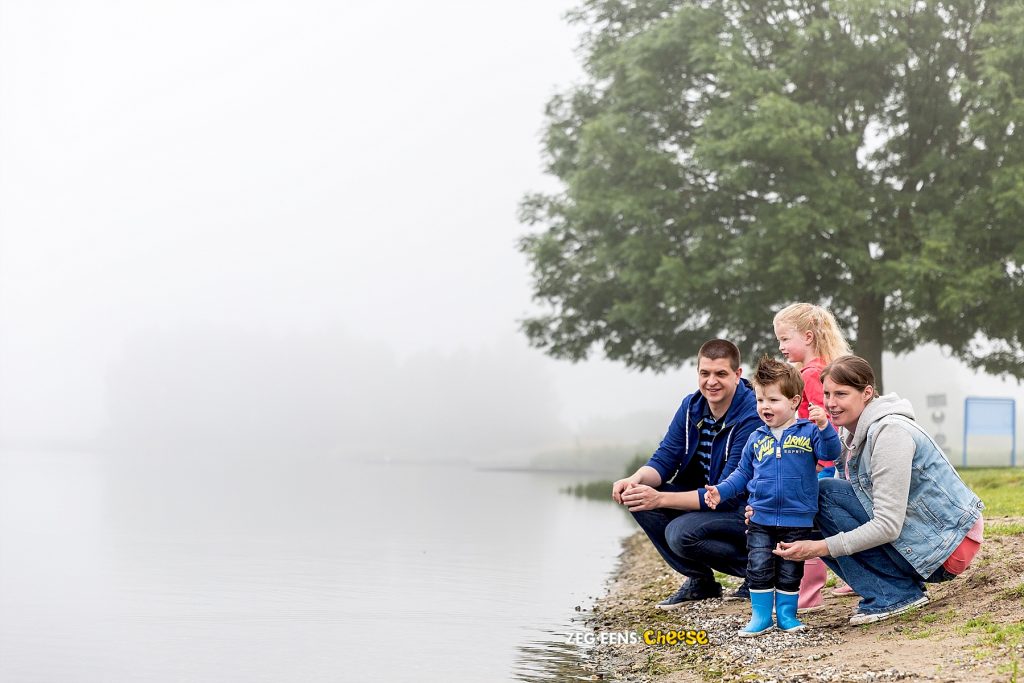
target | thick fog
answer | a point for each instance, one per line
(281, 225)
(292, 226)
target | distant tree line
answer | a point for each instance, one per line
(325, 392)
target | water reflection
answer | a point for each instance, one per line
(292, 570)
(552, 659)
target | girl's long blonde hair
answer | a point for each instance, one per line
(829, 342)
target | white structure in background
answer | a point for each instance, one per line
(938, 387)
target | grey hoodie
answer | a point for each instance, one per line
(890, 461)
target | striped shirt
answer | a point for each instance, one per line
(708, 429)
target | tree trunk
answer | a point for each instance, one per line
(870, 309)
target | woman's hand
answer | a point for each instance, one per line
(748, 512)
(801, 550)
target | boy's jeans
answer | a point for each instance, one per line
(880, 575)
(765, 570)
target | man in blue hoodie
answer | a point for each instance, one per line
(702, 446)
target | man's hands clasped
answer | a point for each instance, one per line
(636, 497)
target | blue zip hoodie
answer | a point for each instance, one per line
(680, 442)
(780, 475)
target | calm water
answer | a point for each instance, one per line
(241, 570)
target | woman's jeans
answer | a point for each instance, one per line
(880, 575)
(766, 570)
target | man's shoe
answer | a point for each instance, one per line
(691, 590)
(859, 617)
(741, 593)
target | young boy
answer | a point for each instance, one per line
(778, 468)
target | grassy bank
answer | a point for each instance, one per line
(1000, 488)
(970, 631)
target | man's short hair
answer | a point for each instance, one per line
(720, 348)
(770, 371)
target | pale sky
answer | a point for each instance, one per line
(174, 172)
(271, 166)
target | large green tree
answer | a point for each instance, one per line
(722, 159)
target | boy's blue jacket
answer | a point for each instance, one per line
(781, 476)
(680, 442)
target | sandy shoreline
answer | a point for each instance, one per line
(970, 631)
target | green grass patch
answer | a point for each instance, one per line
(995, 634)
(1013, 593)
(910, 615)
(921, 635)
(1011, 668)
(982, 623)
(948, 615)
(1009, 634)
(932, 617)
(1010, 529)
(1000, 488)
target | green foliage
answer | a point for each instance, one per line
(602, 490)
(1015, 593)
(593, 490)
(1012, 668)
(1000, 488)
(722, 159)
(1011, 634)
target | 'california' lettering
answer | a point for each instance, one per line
(763, 447)
(802, 443)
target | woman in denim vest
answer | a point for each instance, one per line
(897, 515)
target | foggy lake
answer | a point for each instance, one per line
(165, 569)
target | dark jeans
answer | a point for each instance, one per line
(880, 575)
(765, 570)
(697, 543)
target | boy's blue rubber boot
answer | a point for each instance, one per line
(785, 611)
(762, 602)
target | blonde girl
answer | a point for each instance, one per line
(810, 338)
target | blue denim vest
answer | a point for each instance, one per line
(941, 509)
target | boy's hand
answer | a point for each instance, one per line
(711, 497)
(817, 415)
